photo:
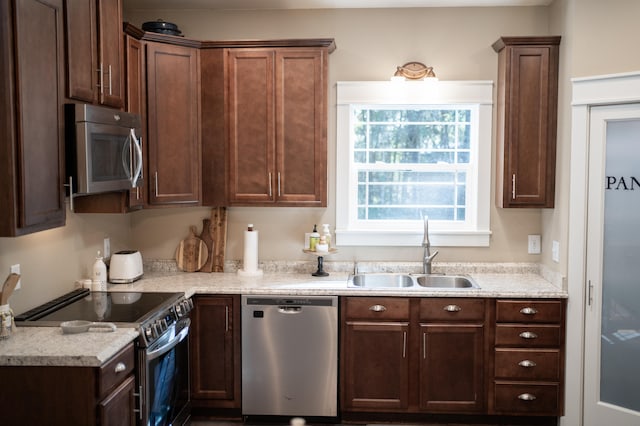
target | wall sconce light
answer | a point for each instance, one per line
(414, 71)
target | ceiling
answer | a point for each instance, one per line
(320, 4)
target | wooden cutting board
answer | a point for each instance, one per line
(7, 287)
(219, 236)
(192, 252)
(207, 238)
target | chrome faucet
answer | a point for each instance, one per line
(428, 256)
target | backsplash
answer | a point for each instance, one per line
(304, 267)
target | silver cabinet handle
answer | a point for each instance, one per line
(528, 311)
(226, 318)
(527, 397)
(377, 308)
(528, 335)
(156, 182)
(120, 367)
(424, 345)
(279, 194)
(452, 308)
(404, 344)
(527, 363)
(513, 186)
(270, 189)
(110, 91)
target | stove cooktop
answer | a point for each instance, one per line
(117, 307)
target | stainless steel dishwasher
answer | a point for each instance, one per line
(290, 356)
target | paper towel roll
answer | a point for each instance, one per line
(250, 262)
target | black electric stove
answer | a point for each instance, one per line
(150, 312)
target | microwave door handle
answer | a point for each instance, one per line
(137, 145)
(127, 153)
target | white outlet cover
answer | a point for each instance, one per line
(534, 244)
(15, 269)
(107, 248)
(555, 251)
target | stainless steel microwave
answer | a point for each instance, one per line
(103, 149)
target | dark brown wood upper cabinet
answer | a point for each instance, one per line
(527, 120)
(95, 51)
(173, 120)
(31, 116)
(265, 143)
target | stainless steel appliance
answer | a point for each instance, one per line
(162, 352)
(289, 356)
(104, 149)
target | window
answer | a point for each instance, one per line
(408, 149)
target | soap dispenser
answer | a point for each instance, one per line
(99, 275)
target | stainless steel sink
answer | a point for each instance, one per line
(381, 281)
(405, 281)
(446, 281)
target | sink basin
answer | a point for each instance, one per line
(381, 281)
(445, 281)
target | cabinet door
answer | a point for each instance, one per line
(117, 409)
(173, 109)
(527, 120)
(251, 126)
(110, 53)
(375, 366)
(135, 102)
(82, 59)
(301, 147)
(31, 156)
(451, 368)
(215, 352)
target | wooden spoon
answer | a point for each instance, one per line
(8, 286)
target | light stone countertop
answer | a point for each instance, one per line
(48, 346)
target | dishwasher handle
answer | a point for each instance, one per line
(289, 309)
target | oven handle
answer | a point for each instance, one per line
(183, 326)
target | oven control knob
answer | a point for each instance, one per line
(179, 311)
(148, 332)
(190, 303)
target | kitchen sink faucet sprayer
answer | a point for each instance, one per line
(428, 257)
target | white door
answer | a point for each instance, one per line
(612, 318)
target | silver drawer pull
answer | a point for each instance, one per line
(527, 363)
(377, 308)
(120, 367)
(452, 308)
(528, 335)
(528, 311)
(527, 397)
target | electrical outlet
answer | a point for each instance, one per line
(15, 269)
(106, 253)
(555, 251)
(534, 244)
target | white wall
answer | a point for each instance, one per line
(370, 44)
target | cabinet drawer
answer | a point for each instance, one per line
(452, 309)
(116, 370)
(527, 364)
(369, 308)
(534, 336)
(523, 398)
(529, 311)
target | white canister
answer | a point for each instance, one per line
(99, 274)
(6, 321)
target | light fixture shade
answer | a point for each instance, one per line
(414, 71)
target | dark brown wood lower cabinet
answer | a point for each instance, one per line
(66, 396)
(451, 360)
(215, 352)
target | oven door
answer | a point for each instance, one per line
(109, 158)
(165, 378)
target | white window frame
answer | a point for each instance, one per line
(476, 230)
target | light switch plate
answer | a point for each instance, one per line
(534, 244)
(107, 248)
